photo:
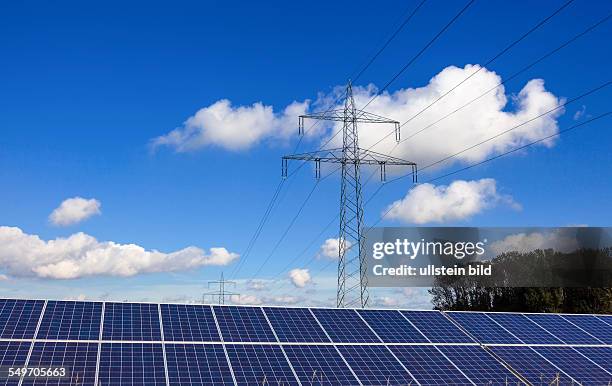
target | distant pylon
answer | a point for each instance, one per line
(352, 279)
(221, 293)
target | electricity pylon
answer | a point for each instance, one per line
(221, 293)
(352, 279)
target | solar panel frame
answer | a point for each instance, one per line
(478, 365)
(132, 364)
(429, 366)
(562, 329)
(524, 329)
(197, 364)
(437, 327)
(243, 324)
(375, 365)
(131, 321)
(309, 361)
(19, 318)
(68, 320)
(531, 365)
(254, 363)
(295, 325)
(483, 328)
(78, 358)
(574, 364)
(595, 326)
(345, 326)
(189, 323)
(392, 327)
(602, 356)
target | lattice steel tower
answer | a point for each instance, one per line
(352, 279)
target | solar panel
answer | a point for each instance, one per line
(71, 320)
(77, 359)
(392, 327)
(319, 365)
(344, 325)
(132, 364)
(131, 321)
(189, 323)
(197, 364)
(295, 325)
(375, 365)
(562, 329)
(243, 324)
(260, 365)
(600, 355)
(479, 365)
(19, 318)
(12, 354)
(436, 327)
(524, 329)
(428, 366)
(596, 327)
(483, 328)
(532, 366)
(575, 365)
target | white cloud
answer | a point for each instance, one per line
(580, 113)
(81, 255)
(458, 201)
(246, 299)
(559, 240)
(74, 210)
(233, 127)
(299, 277)
(258, 285)
(331, 248)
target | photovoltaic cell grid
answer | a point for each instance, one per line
(428, 366)
(571, 362)
(483, 328)
(478, 365)
(71, 321)
(13, 354)
(375, 365)
(595, 326)
(319, 365)
(132, 364)
(79, 360)
(602, 356)
(18, 318)
(260, 365)
(524, 329)
(436, 327)
(392, 327)
(131, 321)
(345, 325)
(531, 365)
(243, 324)
(197, 365)
(563, 330)
(186, 323)
(295, 325)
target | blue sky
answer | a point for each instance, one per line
(85, 88)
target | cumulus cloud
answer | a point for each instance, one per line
(74, 210)
(81, 255)
(331, 248)
(458, 201)
(558, 239)
(258, 285)
(233, 127)
(299, 277)
(246, 299)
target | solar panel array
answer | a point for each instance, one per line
(106, 343)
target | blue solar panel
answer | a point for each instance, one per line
(479, 365)
(375, 365)
(575, 365)
(600, 355)
(344, 325)
(260, 365)
(428, 366)
(19, 318)
(436, 327)
(132, 364)
(12, 354)
(295, 325)
(319, 365)
(524, 329)
(189, 323)
(78, 360)
(131, 321)
(530, 365)
(71, 320)
(596, 327)
(392, 327)
(562, 329)
(197, 364)
(243, 324)
(482, 327)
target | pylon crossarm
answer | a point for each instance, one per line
(338, 116)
